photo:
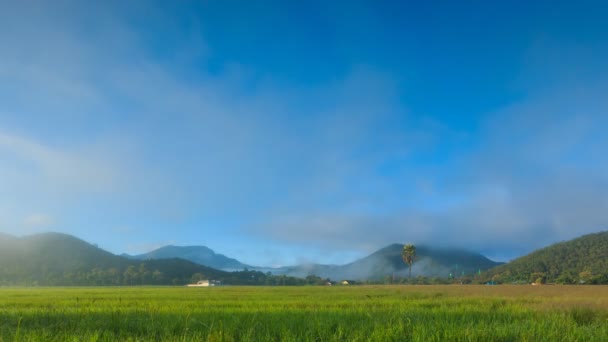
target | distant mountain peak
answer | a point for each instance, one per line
(201, 255)
(387, 261)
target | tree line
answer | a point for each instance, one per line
(141, 274)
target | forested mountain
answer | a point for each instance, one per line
(582, 260)
(60, 259)
(198, 254)
(387, 262)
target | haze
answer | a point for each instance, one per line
(280, 132)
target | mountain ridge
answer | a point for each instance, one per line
(580, 260)
(62, 259)
(201, 255)
(76, 255)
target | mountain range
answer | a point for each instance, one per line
(60, 259)
(431, 262)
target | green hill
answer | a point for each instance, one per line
(58, 259)
(582, 260)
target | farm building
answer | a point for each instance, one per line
(206, 283)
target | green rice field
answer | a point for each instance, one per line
(338, 313)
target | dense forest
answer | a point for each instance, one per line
(580, 261)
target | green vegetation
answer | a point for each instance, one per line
(337, 313)
(409, 255)
(580, 261)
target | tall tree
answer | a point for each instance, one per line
(409, 255)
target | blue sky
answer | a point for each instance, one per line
(282, 132)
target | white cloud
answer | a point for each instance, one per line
(36, 166)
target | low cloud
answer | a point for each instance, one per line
(539, 175)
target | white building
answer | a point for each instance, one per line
(206, 283)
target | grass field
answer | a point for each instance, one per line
(358, 313)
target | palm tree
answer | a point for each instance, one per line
(409, 255)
